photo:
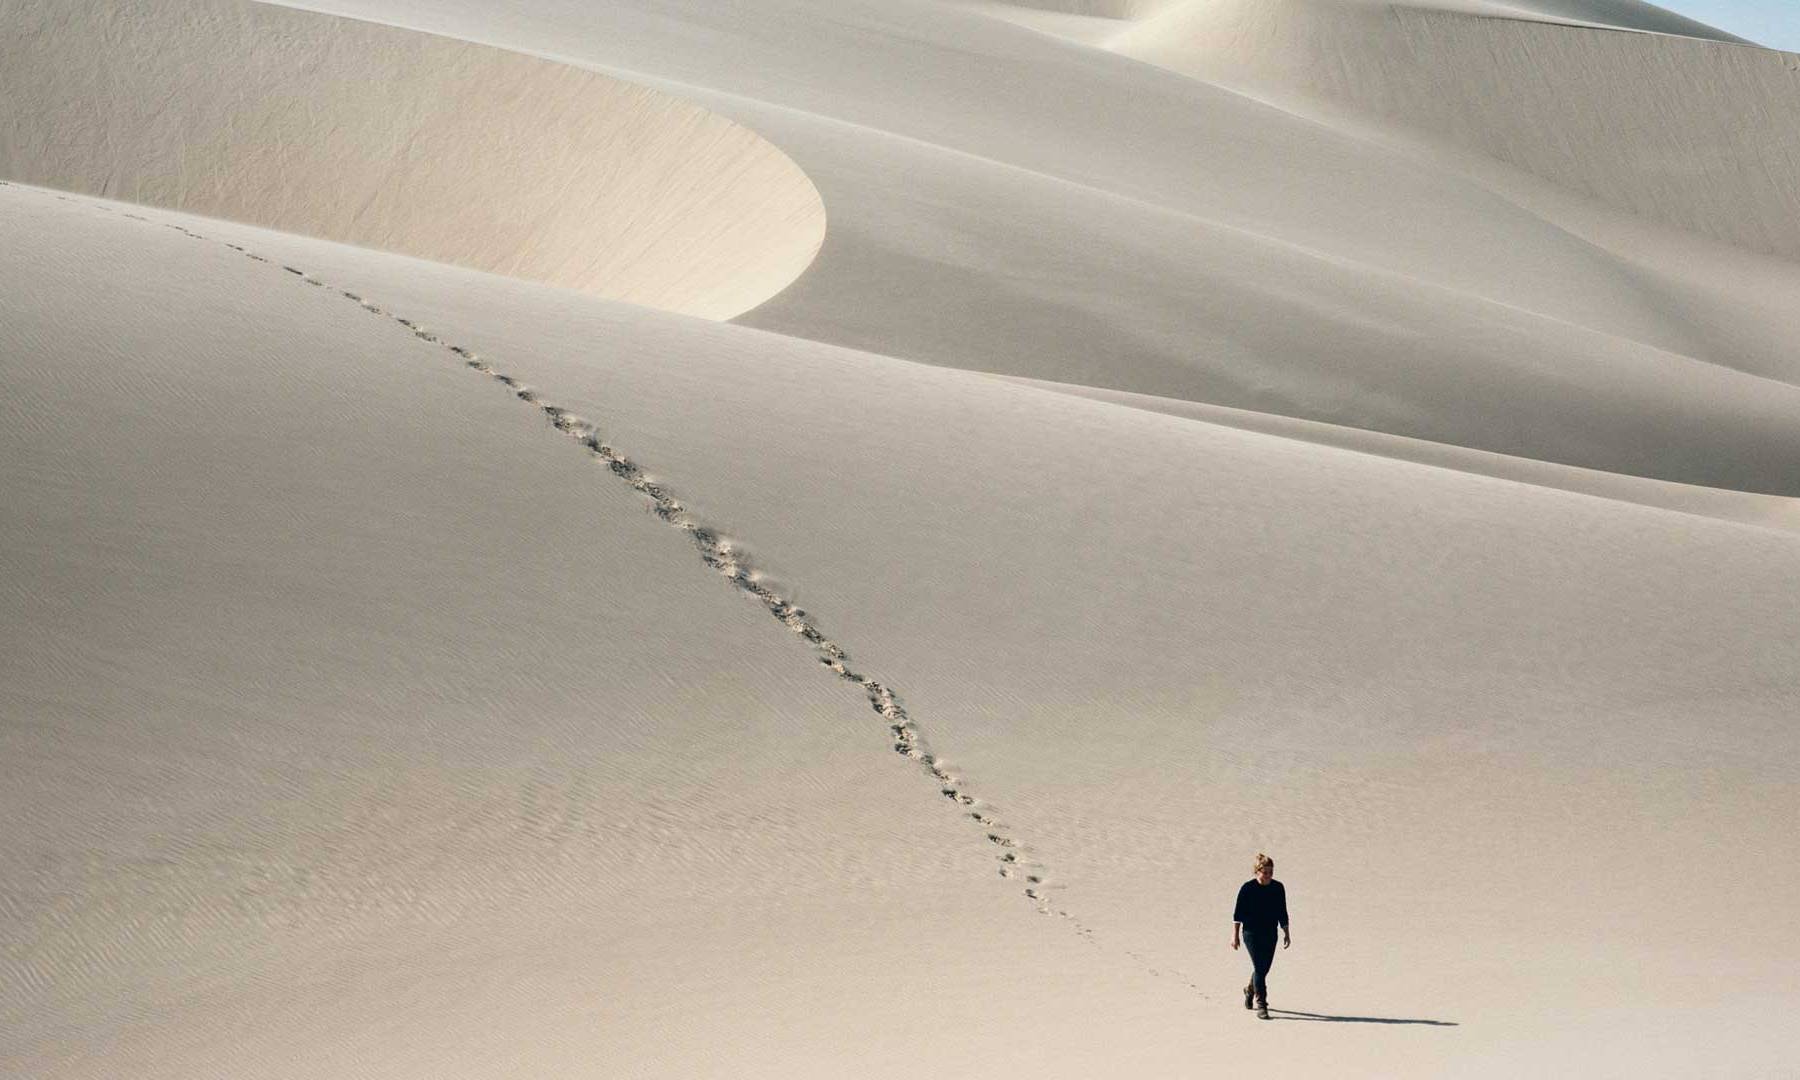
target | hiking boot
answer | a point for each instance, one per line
(1249, 995)
(1262, 1010)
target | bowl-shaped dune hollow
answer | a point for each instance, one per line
(417, 144)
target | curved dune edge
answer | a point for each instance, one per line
(1779, 512)
(393, 139)
(1691, 133)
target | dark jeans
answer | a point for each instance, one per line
(1260, 944)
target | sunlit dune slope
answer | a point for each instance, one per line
(403, 141)
(363, 723)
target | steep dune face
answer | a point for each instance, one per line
(1695, 134)
(403, 141)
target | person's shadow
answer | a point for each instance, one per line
(1291, 1014)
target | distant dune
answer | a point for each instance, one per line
(1621, 14)
(407, 142)
(1106, 9)
(1697, 134)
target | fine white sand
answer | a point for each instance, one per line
(405, 142)
(1063, 213)
(388, 682)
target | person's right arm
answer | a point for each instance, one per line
(1237, 917)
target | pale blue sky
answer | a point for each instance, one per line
(1775, 23)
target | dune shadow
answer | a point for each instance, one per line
(1293, 1014)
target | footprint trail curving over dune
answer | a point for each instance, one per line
(1015, 861)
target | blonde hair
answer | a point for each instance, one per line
(1262, 862)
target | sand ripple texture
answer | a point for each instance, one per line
(403, 141)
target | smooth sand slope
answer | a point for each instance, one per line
(1618, 14)
(402, 141)
(384, 718)
(1693, 133)
(1771, 511)
(1104, 9)
(1103, 22)
(389, 687)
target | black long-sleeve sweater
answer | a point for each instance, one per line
(1261, 907)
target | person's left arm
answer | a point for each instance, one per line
(1287, 938)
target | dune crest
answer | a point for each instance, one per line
(407, 142)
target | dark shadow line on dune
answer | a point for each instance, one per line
(1292, 1014)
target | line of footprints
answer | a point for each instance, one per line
(727, 559)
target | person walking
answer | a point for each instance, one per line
(1261, 907)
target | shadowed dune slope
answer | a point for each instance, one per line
(1696, 134)
(403, 141)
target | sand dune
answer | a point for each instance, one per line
(1105, 9)
(1776, 512)
(1101, 21)
(484, 749)
(411, 669)
(1619, 14)
(1697, 134)
(402, 141)
(1123, 227)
